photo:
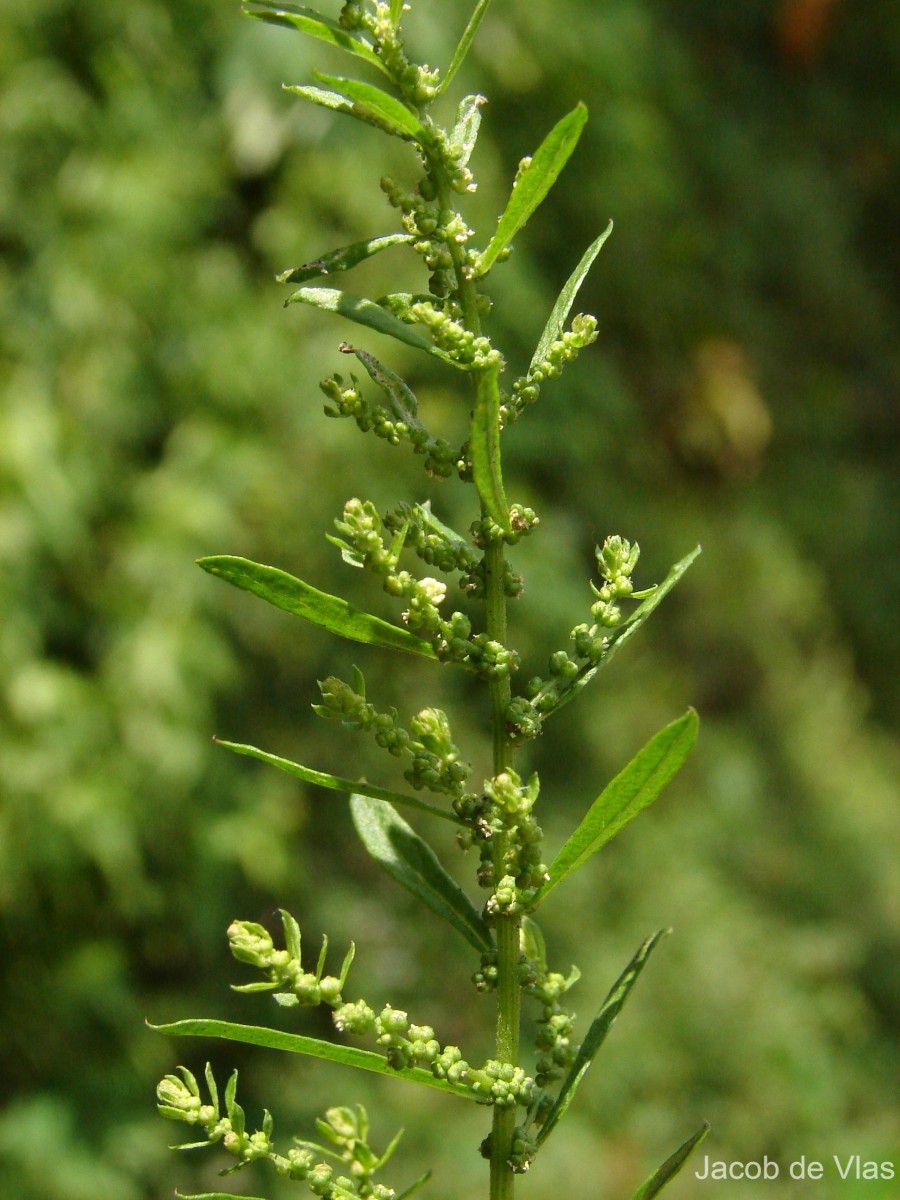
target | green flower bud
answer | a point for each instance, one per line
(393, 1020)
(355, 1017)
(330, 990)
(251, 943)
(319, 1179)
(301, 1161)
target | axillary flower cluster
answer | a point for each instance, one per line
(419, 561)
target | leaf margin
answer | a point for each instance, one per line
(576, 851)
(533, 184)
(596, 1035)
(667, 1171)
(298, 1043)
(423, 875)
(285, 591)
(335, 782)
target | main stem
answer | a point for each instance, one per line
(502, 1182)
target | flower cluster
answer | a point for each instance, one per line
(464, 347)
(362, 544)
(396, 422)
(419, 84)
(438, 234)
(561, 351)
(436, 763)
(509, 839)
(252, 943)
(616, 559)
(179, 1100)
(408, 1045)
(555, 1025)
(434, 542)
(404, 1043)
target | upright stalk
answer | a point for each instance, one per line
(502, 1179)
(506, 927)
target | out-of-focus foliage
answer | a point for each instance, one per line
(157, 406)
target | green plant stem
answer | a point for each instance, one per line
(502, 1179)
(508, 1019)
(507, 927)
(495, 601)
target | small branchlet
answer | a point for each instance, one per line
(344, 1128)
(397, 421)
(408, 1045)
(436, 763)
(252, 943)
(616, 559)
(561, 351)
(362, 544)
(555, 1051)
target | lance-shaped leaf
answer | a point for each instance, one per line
(485, 446)
(377, 107)
(366, 312)
(629, 627)
(294, 596)
(632, 790)
(338, 102)
(408, 859)
(654, 1185)
(554, 327)
(533, 184)
(335, 783)
(596, 1035)
(621, 635)
(295, 1043)
(305, 20)
(396, 11)
(342, 259)
(465, 41)
(404, 404)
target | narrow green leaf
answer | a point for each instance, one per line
(566, 298)
(333, 100)
(295, 1043)
(342, 259)
(408, 859)
(396, 11)
(337, 784)
(294, 596)
(632, 790)
(485, 445)
(404, 404)
(654, 1185)
(533, 183)
(420, 1182)
(366, 312)
(465, 42)
(377, 107)
(596, 1035)
(305, 20)
(620, 636)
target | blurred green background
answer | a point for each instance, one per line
(158, 405)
